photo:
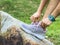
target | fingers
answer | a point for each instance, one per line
(46, 21)
(43, 25)
(34, 19)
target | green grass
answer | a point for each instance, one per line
(23, 9)
(54, 32)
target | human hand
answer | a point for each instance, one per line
(45, 22)
(35, 17)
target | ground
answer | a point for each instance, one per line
(23, 9)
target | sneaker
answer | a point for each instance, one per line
(35, 30)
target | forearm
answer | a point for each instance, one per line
(41, 6)
(56, 12)
(49, 20)
(51, 7)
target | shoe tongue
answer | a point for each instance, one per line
(34, 23)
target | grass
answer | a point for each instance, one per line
(23, 9)
(54, 32)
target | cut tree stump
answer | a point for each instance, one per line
(12, 34)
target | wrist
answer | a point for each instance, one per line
(39, 12)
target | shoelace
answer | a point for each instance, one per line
(37, 24)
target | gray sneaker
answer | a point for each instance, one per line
(33, 29)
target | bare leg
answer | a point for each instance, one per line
(51, 6)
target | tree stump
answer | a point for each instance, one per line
(12, 34)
